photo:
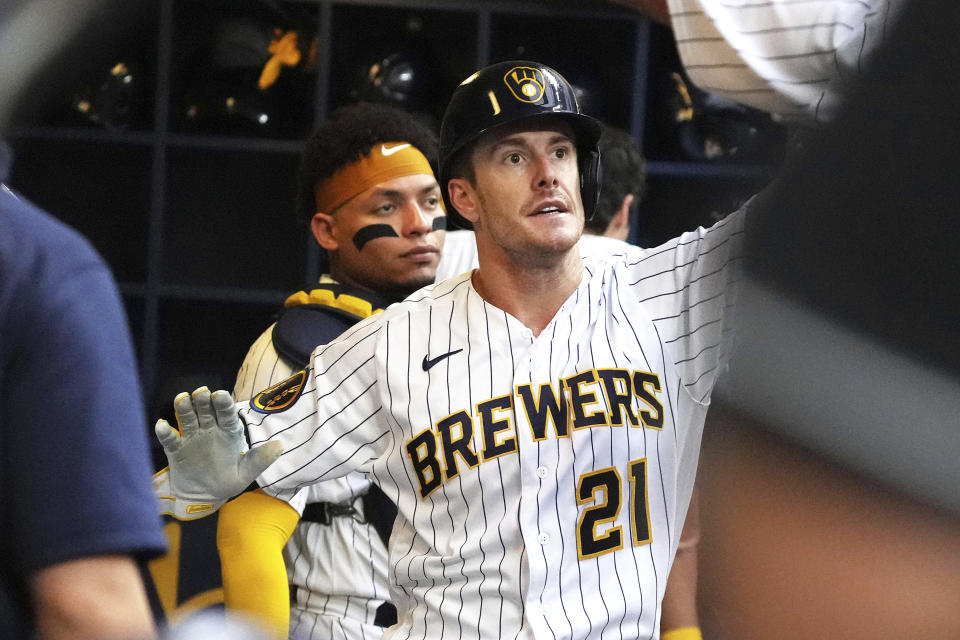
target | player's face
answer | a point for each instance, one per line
(383, 238)
(527, 186)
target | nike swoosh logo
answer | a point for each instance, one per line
(389, 151)
(428, 363)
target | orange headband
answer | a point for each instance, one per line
(386, 161)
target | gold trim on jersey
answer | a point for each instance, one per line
(640, 522)
(459, 445)
(422, 451)
(544, 409)
(199, 507)
(492, 427)
(618, 396)
(601, 489)
(580, 399)
(434, 453)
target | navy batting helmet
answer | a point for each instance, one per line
(516, 90)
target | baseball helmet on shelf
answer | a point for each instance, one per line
(506, 92)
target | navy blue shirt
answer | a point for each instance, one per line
(75, 468)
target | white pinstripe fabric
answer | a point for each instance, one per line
(792, 58)
(493, 551)
(340, 569)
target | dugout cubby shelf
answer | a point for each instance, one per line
(192, 205)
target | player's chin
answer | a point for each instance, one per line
(418, 260)
(410, 281)
(558, 236)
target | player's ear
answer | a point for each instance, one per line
(464, 198)
(322, 225)
(619, 226)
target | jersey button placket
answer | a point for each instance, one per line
(533, 369)
(531, 347)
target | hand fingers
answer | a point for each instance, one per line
(186, 415)
(255, 461)
(226, 411)
(169, 439)
(201, 402)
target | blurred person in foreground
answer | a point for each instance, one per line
(840, 410)
(77, 507)
(78, 518)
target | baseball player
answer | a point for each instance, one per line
(373, 203)
(368, 192)
(623, 187)
(536, 421)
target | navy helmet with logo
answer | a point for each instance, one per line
(516, 90)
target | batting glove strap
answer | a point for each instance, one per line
(209, 458)
(683, 633)
(180, 508)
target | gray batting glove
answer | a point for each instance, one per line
(209, 458)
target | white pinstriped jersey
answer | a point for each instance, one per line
(541, 482)
(339, 569)
(791, 58)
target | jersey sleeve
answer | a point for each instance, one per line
(329, 417)
(791, 59)
(688, 287)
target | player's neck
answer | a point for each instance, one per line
(531, 294)
(385, 292)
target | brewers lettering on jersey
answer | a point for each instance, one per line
(541, 481)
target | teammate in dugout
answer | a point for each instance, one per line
(369, 194)
(537, 421)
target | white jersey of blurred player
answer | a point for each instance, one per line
(541, 482)
(792, 59)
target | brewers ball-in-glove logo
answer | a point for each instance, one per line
(281, 395)
(525, 83)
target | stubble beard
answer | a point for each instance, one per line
(524, 251)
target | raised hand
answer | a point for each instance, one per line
(209, 458)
